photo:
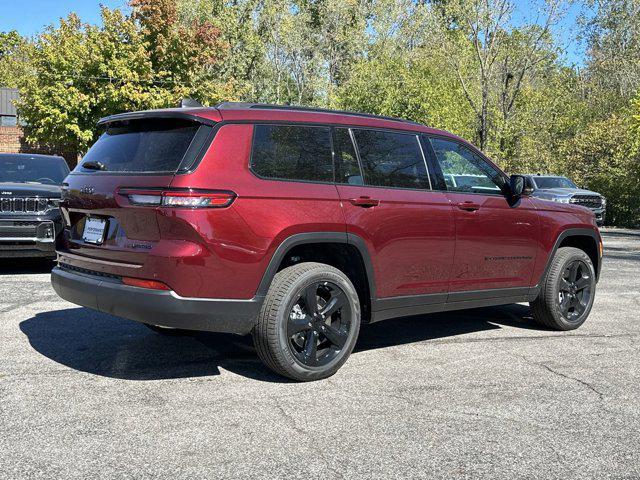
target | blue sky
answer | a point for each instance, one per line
(29, 17)
(566, 31)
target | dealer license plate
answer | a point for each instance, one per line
(94, 230)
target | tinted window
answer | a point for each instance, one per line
(391, 159)
(292, 152)
(347, 168)
(25, 168)
(151, 145)
(554, 182)
(463, 170)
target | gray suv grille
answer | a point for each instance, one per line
(589, 201)
(23, 205)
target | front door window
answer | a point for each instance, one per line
(464, 171)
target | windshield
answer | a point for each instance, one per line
(24, 169)
(554, 182)
(147, 145)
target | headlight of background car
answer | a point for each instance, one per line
(53, 203)
(604, 202)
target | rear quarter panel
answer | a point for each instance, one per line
(238, 242)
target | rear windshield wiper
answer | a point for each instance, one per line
(94, 165)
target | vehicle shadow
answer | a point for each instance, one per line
(101, 344)
(420, 328)
(23, 266)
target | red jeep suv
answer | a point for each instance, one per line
(298, 225)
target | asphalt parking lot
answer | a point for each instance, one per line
(481, 393)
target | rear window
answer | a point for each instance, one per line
(147, 145)
(292, 153)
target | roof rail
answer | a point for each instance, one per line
(267, 106)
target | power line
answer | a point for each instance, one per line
(108, 78)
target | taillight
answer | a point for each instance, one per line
(139, 282)
(198, 200)
(178, 198)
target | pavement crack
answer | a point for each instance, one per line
(575, 379)
(564, 375)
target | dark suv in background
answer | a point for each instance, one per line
(561, 189)
(298, 226)
(30, 189)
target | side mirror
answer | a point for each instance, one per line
(517, 185)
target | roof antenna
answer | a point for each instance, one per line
(189, 103)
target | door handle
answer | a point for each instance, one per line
(364, 202)
(468, 206)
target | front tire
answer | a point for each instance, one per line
(567, 291)
(309, 322)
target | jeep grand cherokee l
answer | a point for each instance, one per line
(30, 188)
(298, 225)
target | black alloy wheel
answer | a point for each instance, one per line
(318, 324)
(566, 291)
(575, 290)
(309, 322)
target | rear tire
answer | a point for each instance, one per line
(567, 291)
(309, 322)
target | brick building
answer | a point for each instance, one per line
(12, 131)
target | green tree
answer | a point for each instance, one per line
(613, 38)
(493, 59)
(244, 50)
(13, 55)
(549, 111)
(418, 90)
(635, 125)
(604, 157)
(80, 73)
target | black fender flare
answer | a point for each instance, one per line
(570, 232)
(317, 237)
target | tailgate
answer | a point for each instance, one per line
(144, 154)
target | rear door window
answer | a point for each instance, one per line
(391, 159)
(292, 152)
(147, 145)
(347, 167)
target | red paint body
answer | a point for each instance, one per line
(419, 242)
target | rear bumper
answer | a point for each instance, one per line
(163, 308)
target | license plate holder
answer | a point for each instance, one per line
(94, 229)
